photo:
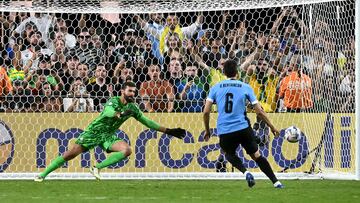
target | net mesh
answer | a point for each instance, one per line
(62, 60)
(143, 6)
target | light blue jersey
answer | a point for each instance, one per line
(230, 97)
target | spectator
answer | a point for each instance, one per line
(227, 37)
(296, 88)
(214, 75)
(250, 59)
(5, 84)
(212, 57)
(157, 94)
(264, 81)
(325, 99)
(60, 52)
(203, 40)
(175, 72)
(121, 76)
(35, 80)
(10, 22)
(347, 88)
(20, 99)
(86, 52)
(49, 101)
(124, 75)
(99, 87)
(172, 26)
(348, 52)
(62, 28)
(96, 41)
(274, 55)
(70, 72)
(24, 37)
(53, 78)
(238, 50)
(44, 74)
(129, 50)
(173, 42)
(288, 34)
(57, 36)
(148, 53)
(36, 47)
(42, 21)
(15, 71)
(171, 55)
(140, 71)
(157, 23)
(288, 39)
(191, 90)
(83, 73)
(109, 57)
(78, 99)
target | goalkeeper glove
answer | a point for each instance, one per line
(176, 132)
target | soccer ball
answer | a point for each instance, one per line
(292, 134)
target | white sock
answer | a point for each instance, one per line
(277, 183)
(246, 172)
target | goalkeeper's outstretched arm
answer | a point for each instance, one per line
(176, 132)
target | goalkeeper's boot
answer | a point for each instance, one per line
(250, 179)
(39, 178)
(95, 172)
(278, 185)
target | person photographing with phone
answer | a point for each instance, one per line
(78, 99)
(191, 90)
(44, 74)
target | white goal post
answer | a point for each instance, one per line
(91, 47)
(357, 80)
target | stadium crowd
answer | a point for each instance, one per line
(74, 62)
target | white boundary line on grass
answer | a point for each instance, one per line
(174, 176)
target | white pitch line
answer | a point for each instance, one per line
(97, 198)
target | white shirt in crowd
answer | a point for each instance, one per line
(70, 40)
(345, 86)
(82, 104)
(42, 23)
(27, 54)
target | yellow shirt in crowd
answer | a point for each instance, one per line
(265, 93)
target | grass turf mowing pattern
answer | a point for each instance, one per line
(304, 191)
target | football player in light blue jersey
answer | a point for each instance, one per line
(233, 126)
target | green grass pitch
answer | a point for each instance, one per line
(304, 191)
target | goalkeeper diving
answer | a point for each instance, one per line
(101, 132)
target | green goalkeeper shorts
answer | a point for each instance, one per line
(89, 140)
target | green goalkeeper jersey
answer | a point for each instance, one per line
(108, 123)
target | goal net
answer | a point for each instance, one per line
(62, 60)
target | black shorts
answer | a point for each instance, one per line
(229, 142)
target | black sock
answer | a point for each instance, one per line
(236, 162)
(266, 168)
